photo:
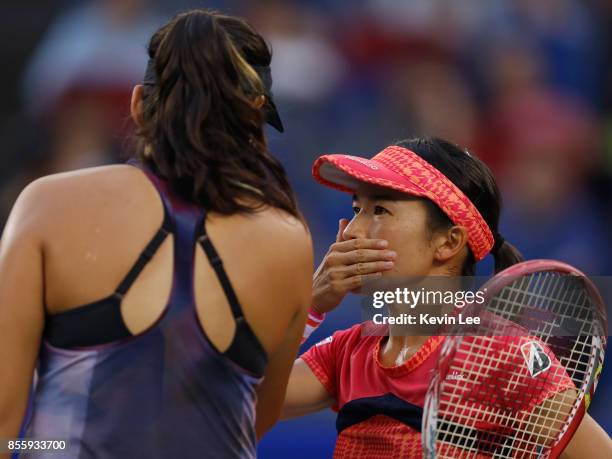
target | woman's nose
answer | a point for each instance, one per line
(357, 228)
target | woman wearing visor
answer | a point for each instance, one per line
(422, 207)
(143, 293)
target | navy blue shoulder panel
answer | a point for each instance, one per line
(361, 409)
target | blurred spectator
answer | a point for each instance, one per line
(436, 97)
(307, 67)
(77, 87)
(549, 147)
(566, 34)
(80, 78)
(96, 45)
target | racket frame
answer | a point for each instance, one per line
(491, 288)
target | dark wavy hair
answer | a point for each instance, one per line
(201, 129)
(476, 181)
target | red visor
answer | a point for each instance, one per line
(403, 170)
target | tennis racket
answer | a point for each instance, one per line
(521, 387)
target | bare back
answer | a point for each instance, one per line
(99, 220)
(92, 225)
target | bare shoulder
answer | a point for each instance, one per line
(281, 228)
(274, 239)
(270, 234)
(67, 195)
(79, 184)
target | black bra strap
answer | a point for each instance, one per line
(145, 257)
(246, 349)
(217, 264)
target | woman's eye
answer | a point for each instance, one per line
(378, 210)
(356, 210)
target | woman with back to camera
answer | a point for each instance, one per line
(156, 296)
(422, 207)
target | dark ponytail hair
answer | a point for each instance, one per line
(475, 180)
(201, 129)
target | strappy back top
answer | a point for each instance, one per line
(165, 392)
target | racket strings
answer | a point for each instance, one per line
(564, 301)
(463, 422)
(516, 399)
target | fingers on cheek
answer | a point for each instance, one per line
(335, 275)
(356, 281)
(338, 286)
(386, 265)
(336, 259)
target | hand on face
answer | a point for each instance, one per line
(347, 266)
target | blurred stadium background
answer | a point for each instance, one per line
(524, 84)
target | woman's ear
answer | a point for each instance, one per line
(136, 105)
(450, 243)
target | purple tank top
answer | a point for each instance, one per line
(164, 393)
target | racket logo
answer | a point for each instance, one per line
(536, 358)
